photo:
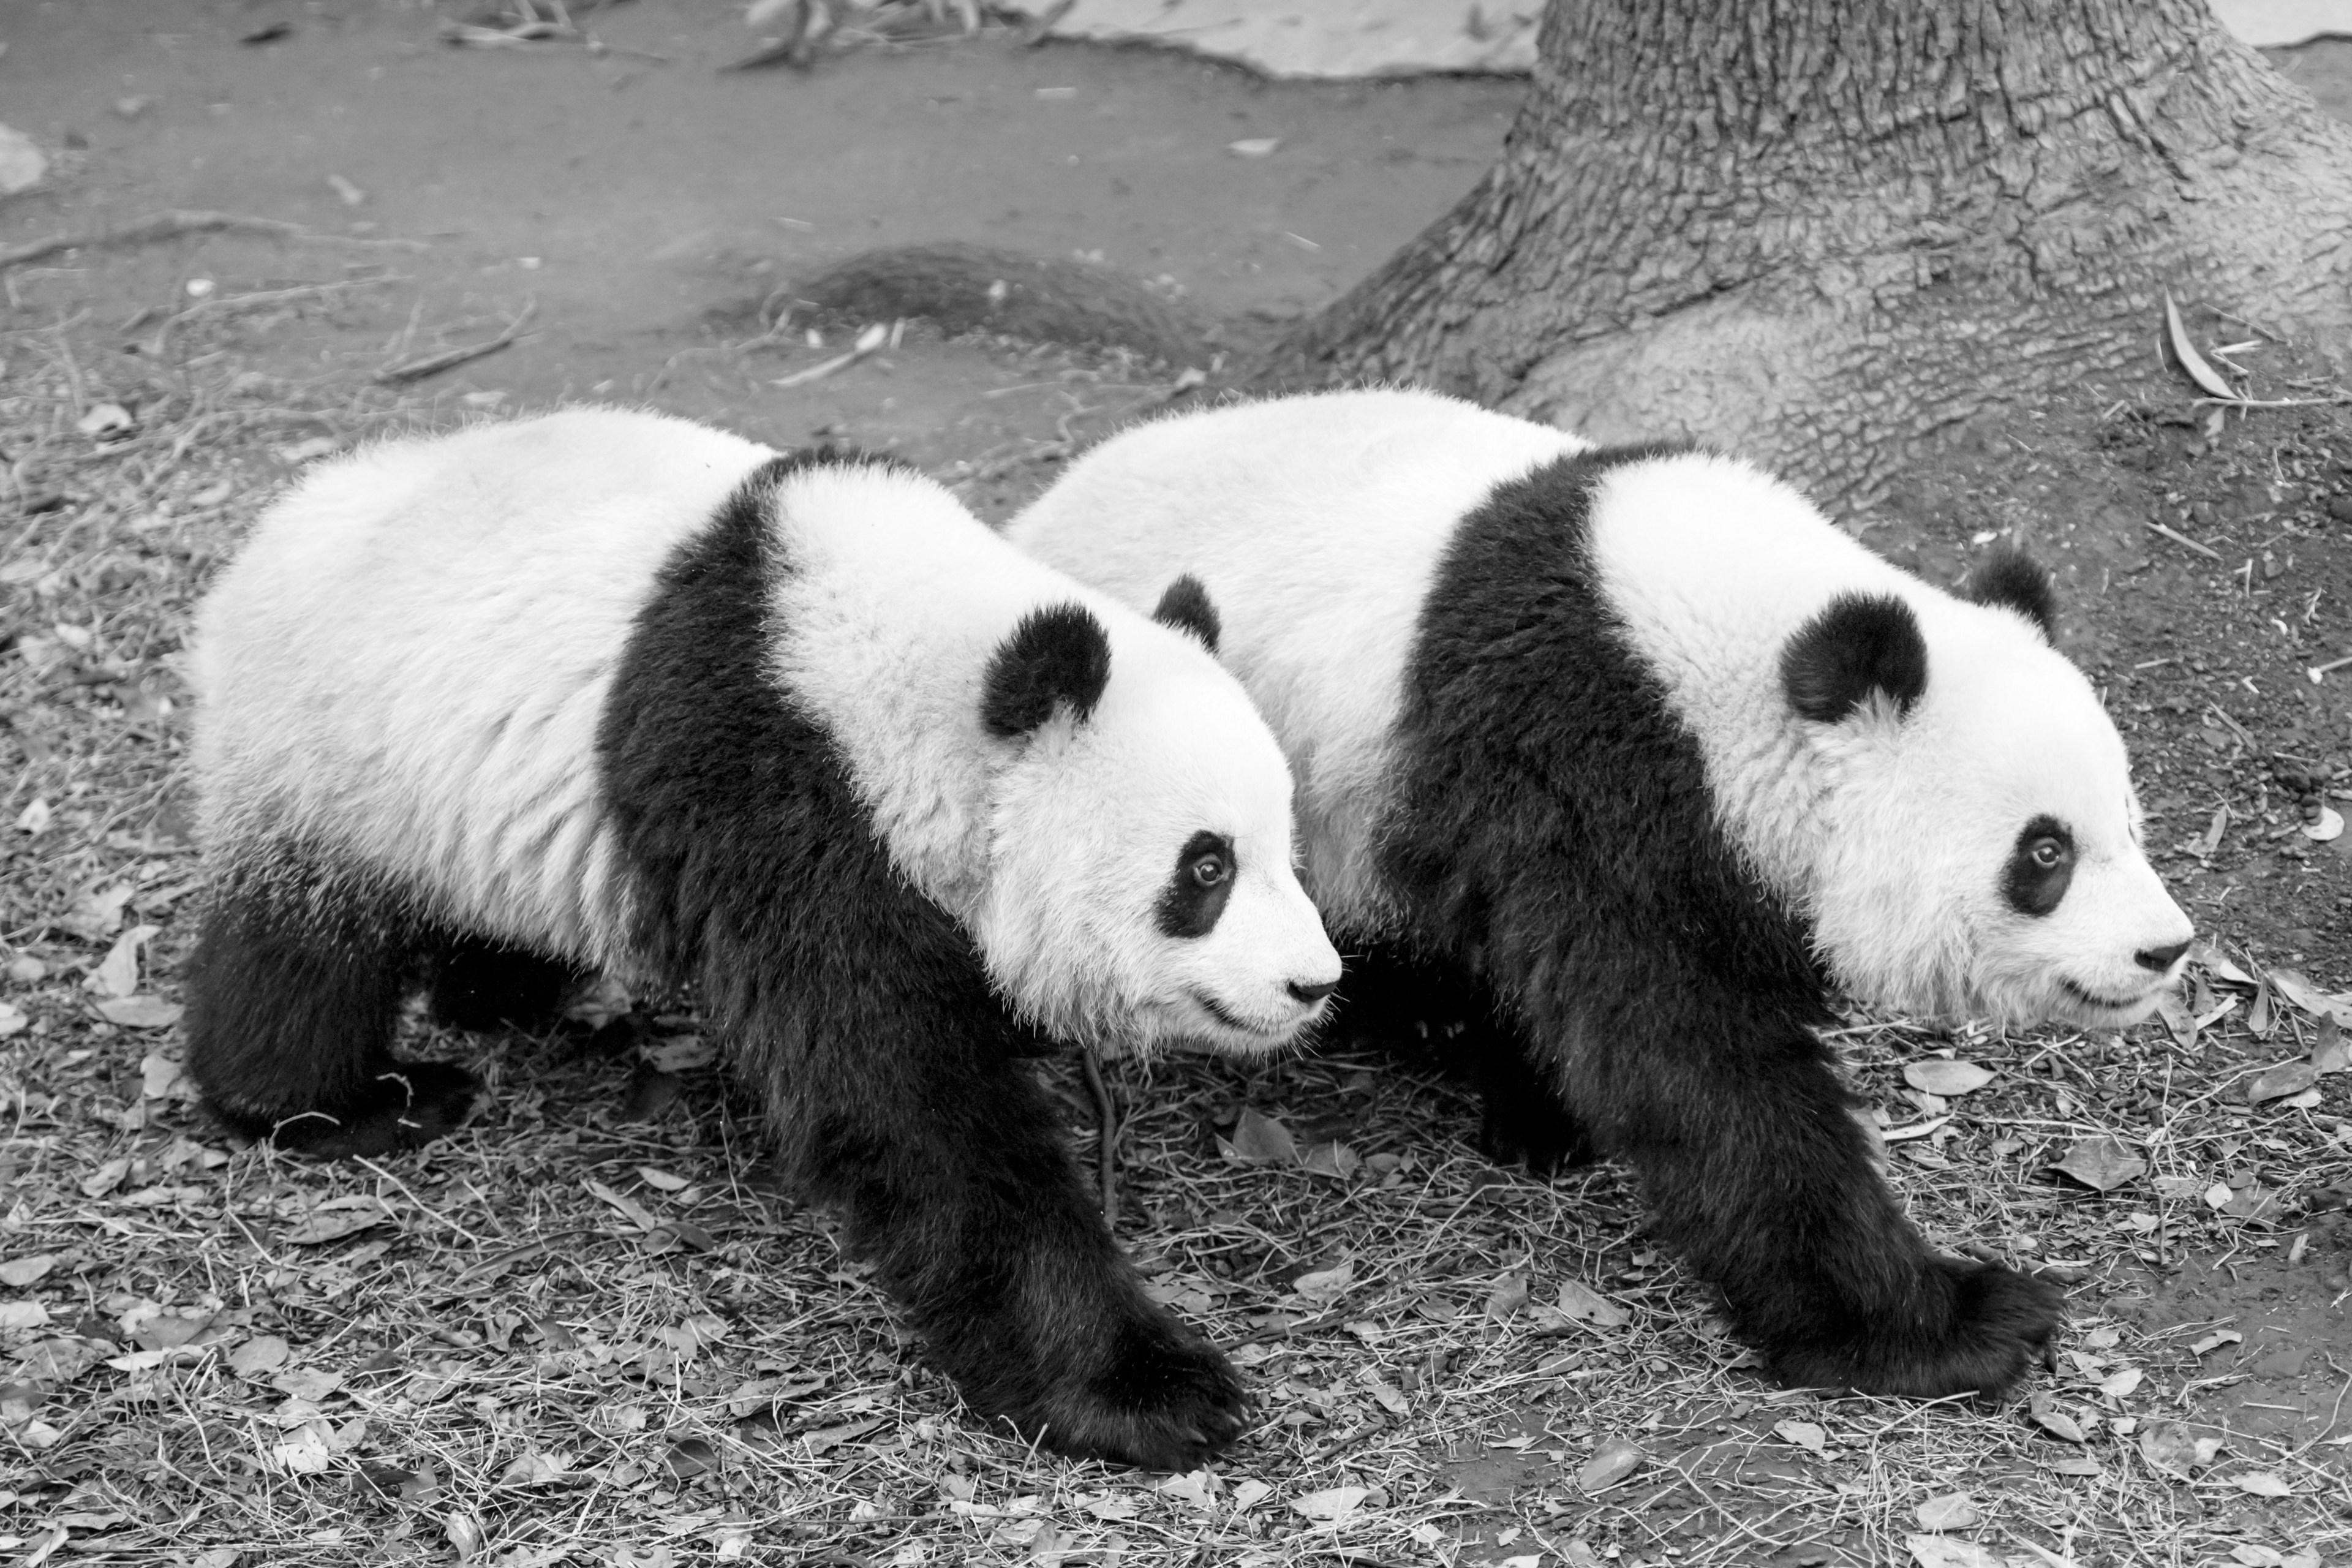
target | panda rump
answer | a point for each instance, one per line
(607, 690)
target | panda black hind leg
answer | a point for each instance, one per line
(294, 990)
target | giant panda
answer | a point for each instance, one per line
(608, 691)
(1639, 737)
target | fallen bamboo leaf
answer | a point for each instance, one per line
(2278, 1082)
(2203, 375)
(2101, 1164)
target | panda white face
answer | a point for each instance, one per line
(1984, 853)
(1142, 888)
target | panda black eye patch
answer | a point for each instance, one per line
(2041, 867)
(1197, 890)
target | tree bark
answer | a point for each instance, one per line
(1819, 231)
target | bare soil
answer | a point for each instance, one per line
(588, 1330)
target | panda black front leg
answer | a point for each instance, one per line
(1754, 1168)
(293, 995)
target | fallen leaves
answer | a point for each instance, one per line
(2102, 1164)
(1612, 1462)
(335, 1218)
(1948, 1079)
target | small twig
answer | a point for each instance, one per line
(172, 224)
(2205, 549)
(449, 359)
(871, 341)
(1106, 1149)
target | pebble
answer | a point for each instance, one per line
(2340, 507)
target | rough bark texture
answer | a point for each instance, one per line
(1816, 231)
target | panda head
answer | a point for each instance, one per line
(1142, 886)
(1981, 847)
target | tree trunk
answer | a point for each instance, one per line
(1819, 231)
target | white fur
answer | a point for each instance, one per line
(1317, 522)
(404, 669)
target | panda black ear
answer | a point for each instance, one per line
(1186, 608)
(1057, 654)
(1862, 644)
(2015, 581)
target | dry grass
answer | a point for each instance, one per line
(588, 1330)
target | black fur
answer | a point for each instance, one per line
(485, 985)
(1185, 605)
(2015, 581)
(1434, 1014)
(1198, 887)
(1860, 644)
(2029, 887)
(1553, 818)
(889, 1063)
(1056, 654)
(294, 990)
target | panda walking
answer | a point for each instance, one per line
(609, 690)
(1640, 739)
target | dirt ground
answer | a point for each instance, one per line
(589, 1330)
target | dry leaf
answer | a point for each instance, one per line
(2101, 1164)
(22, 163)
(1324, 1286)
(1253, 146)
(1261, 1140)
(1953, 1511)
(19, 1272)
(140, 1012)
(661, 1180)
(2262, 1483)
(1610, 1463)
(1333, 1159)
(1946, 1077)
(262, 1353)
(2278, 1082)
(1588, 1306)
(117, 975)
(336, 1218)
(1332, 1504)
(1805, 1435)
(2312, 999)
(2120, 1384)
(2203, 375)
(1508, 1296)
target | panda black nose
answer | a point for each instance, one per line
(1313, 993)
(2160, 959)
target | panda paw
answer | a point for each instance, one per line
(1983, 1327)
(1540, 1134)
(410, 1103)
(1165, 1400)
